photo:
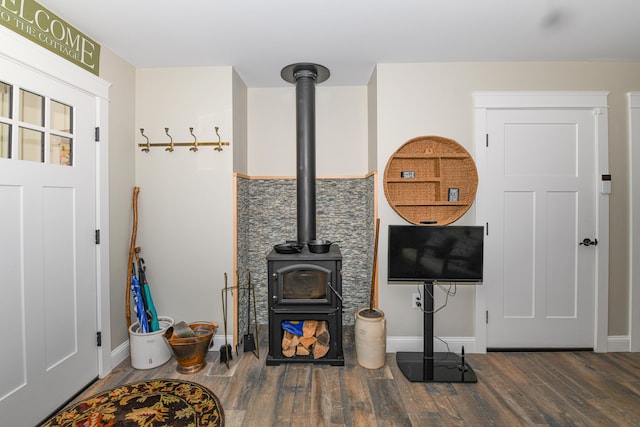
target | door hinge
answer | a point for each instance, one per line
(97, 237)
(97, 135)
(486, 320)
(99, 338)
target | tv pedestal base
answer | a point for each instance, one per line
(442, 367)
(427, 366)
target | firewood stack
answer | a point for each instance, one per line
(314, 340)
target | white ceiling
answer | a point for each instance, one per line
(259, 37)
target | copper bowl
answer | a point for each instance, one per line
(191, 352)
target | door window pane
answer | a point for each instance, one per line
(31, 108)
(5, 141)
(61, 117)
(5, 100)
(31, 145)
(60, 150)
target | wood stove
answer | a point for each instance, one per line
(305, 286)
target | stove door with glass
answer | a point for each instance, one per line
(296, 285)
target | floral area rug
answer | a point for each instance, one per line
(162, 402)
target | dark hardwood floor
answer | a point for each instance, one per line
(513, 389)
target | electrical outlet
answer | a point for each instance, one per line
(416, 300)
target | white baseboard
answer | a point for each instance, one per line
(218, 341)
(618, 343)
(120, 354)
(615, 343)
(399, 343)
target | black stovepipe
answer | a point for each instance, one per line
(305, 76)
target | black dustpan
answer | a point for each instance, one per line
(249, 340)
(226, 353)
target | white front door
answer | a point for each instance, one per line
(48, 301)
(541, 203)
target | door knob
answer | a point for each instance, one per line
(589, 242)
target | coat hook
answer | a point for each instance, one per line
(147, 145)
(219, 147)
(170, 147)
(195, 141)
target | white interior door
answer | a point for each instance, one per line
(48, 302)
(541, 195)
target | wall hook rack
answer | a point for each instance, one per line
(193, 146)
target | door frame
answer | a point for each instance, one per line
(591, 100)
(634, 232)
(24, 53)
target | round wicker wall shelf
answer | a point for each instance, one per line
(431, 180)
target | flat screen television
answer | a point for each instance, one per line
(435, 253)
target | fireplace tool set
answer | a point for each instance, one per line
(250, 341)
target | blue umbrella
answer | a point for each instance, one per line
(139, 304)
(146, 297)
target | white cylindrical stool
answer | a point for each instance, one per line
(371, 338)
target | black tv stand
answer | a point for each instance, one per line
(427, 366)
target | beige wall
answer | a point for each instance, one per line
(341, 131)
(436, 99)
(372, 122)
(121, 75)
(185, 225)
(239, 146)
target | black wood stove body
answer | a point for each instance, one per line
(305, 286)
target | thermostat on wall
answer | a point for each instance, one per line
(605, 184)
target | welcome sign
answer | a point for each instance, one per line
(33, 21)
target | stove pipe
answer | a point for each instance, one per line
(305, 76)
